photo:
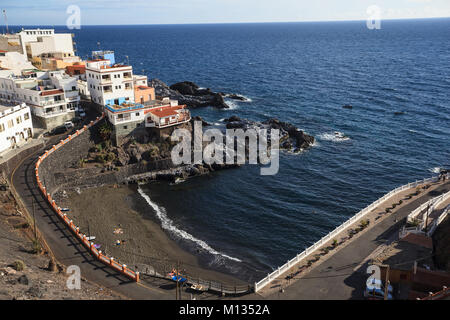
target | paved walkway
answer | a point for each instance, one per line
(342, 272)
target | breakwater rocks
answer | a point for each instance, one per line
(178, 174)
(291, 138)
(190, 94)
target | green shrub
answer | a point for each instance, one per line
(110, 156)
(36, 247)
(105, 131)
(364, 223)
(100, 158)
(18, 265)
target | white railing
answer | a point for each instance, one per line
(272, 276)
(438, 221)
(431, 205)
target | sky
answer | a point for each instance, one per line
(101, 12)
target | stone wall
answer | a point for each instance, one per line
(53, 122)
(61, 168)
(66, 158)
(9, 165)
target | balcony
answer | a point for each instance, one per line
(106, 81)
(51, 102)
(183, 117)
(126, 117)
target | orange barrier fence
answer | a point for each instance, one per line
(122, 268)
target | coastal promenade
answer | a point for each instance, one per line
(340, 272)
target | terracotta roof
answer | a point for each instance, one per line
(51, 92)
(163, 112)
(143, 87)
(97, 60)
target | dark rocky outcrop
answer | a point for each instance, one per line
(290, 136)
(190, 94)
(198, 118)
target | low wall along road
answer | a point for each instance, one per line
(88, 244)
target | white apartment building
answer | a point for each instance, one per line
(35, 42)
(109, 84)
(140, 80)
(70, 86)
(14, 61)
(16, 126)
(52, 97)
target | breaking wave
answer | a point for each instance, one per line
(167, 224)
(335, 137)
(435, 170)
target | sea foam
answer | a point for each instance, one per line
(435, 170)
(332, 137)
(167, 224)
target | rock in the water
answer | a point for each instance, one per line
(185, 88)
(236, 97)
(198, 118)
(290, 136)
(188, 93)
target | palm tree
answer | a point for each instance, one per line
(105, 131)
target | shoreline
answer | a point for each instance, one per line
(145, 245)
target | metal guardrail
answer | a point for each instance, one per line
(301, 256)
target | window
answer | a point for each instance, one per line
(137, 114)
(2, 127)
(10, 123)
(125, 127)
(19, 119)
(26, 116)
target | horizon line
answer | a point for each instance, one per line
(243, 22)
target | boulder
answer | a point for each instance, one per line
(236, 97)
(122, 158)
(185, 88)
(23, 279)
(198, 118)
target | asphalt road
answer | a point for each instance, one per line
(336, 278)
(67, 249)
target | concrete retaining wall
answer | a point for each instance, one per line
(9, 165)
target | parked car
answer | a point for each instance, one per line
(375, 290)
(69, 125)
(59, 130)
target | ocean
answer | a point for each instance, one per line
(247, 224)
